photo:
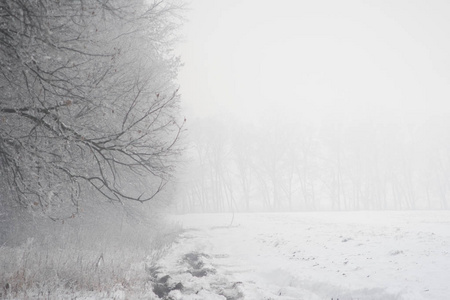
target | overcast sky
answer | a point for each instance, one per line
(318, 60)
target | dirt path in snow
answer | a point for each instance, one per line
(306, 256)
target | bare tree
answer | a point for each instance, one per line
(87, 100)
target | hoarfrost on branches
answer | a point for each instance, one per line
(88, 101)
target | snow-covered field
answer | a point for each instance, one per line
(317, 255)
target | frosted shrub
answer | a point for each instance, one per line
(46, 269)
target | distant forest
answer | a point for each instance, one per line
(276, 166)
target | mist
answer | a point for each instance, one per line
(317, 150)
(234, 149)
(316, 106)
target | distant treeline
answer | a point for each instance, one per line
(235, 166)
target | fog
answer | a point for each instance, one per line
(283, 150)
(315, 105)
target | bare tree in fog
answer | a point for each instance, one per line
(274, 167)
(243, 147)
(87, 100)
(210, 181)
(333, 166)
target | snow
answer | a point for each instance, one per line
(311, 255)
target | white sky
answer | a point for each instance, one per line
(317, 59)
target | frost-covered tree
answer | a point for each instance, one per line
(87, 101)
